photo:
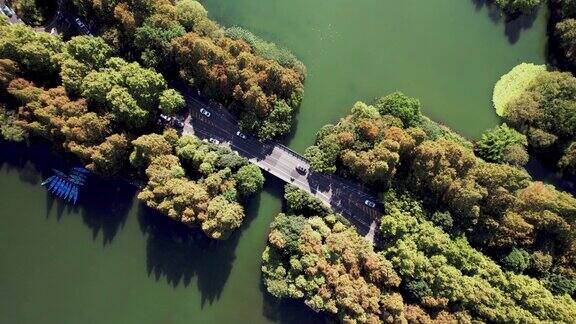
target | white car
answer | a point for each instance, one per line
(205, 112)
(369, 203)
(214, 141)
(242, 136)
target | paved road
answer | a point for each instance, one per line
(345, 197)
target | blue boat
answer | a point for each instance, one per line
(60, 173)
(74, 195)
(60, 188)
(78, 177)
(67, 190)
(83, 170)
(47, 181)
(54, 183)
(65, 185)
(67, 194)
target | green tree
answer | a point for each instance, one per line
(29, 11)
(517, 260)
(125, 108)
(146, 147)
(35, 52)
(299, 202)
(250, 180)
(566, 32)
(170, 101)
(222, 218)
(515, 6)
(190, 13)
(493, 144)
(399, 105)
(89, 50)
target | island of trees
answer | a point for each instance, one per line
(99, 98)
(464, 239)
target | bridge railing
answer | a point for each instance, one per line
(291, 152)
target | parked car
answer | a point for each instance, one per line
(241, 135)
(369, 203)
(165, 118)
(205, 112)
(214, 141)
(301, 169)
(7, 11)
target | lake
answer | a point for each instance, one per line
(110, 259)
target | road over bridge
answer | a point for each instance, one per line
(345, 197)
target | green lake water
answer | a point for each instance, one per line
(112, 260)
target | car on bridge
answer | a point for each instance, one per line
(241, 135)
(369, 203)
(205, 112)
(301, 169)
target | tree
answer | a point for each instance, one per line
(109, 157)
(8, 129)
(513, 84)
(493, 144)
(222, 217)
(299, 202)
(250, 180)
(511, 7)
(399, 105)
(568, 160)
(89, 50)
(34, 52)
(125, 108)
(146, 147)
(517, 260)
(190, 13)
(29, 12)
(171, 101)
(566, 32)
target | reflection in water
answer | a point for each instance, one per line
(155, 252)
(513, 25)
(178, 253)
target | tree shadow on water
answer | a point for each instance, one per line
(514, 24)
(289, 311)
(103, 204)
(177, 254)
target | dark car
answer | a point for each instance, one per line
(301, 169)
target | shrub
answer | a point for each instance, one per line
(399, 105)
(500, 144)
(517, 260)
(267, 49)
(513, 84)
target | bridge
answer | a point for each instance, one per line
(342, 196)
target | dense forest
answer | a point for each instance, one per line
(103, 109)
(422, 274)
(261, 83)
(463, 221)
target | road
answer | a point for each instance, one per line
(345, 197)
